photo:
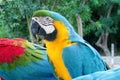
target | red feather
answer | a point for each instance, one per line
(10, 49)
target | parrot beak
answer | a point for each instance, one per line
(37, 39)
(47, 31)
(35, 30)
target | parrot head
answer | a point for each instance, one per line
(43, 23)
(43, 26)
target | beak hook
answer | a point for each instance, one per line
(37, 39)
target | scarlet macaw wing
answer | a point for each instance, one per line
(16, 52)
(22, 60)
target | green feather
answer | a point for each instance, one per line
(38, 56)
(35, 52)
(34, 59)
(27, 58)
(11, 66)
(1, 63)
(4, 67)
(31, 54)
(41, 13)
(21, 61)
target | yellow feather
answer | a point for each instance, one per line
(55, 53)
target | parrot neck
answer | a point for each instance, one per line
(55, 48)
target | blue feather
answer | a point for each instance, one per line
(112, 74)
(81, 58)
(32, 71)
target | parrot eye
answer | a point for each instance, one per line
(48, 18)
(47, 21)
(44, 26)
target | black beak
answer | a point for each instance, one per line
(36, 30)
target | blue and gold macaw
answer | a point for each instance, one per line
(22, 60)
(69, 54)
(112, 74)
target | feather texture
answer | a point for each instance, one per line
(73, 56)
(112, 74)
(22, 60)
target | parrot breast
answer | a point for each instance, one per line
(56, 56)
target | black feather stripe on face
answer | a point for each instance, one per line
(51, 36)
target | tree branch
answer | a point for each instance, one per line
(91, 21)
(99, 41)
(28, 24)
(84, 1)
(79, 22)
(102, 41)
(109, 10)
(53, 5)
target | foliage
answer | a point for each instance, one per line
(15, 16)
(3, 33)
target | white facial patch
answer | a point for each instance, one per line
(46, 23)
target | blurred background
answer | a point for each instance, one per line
(97, 21)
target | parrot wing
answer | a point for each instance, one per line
(80, 59)
(22, 60)
(112, 74)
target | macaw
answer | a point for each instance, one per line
(112, 74)
(22, 60)
(69, 54)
